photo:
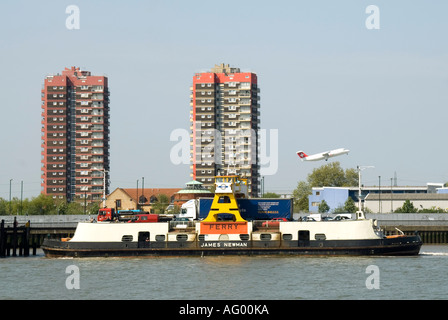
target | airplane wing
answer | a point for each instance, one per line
(326, 155)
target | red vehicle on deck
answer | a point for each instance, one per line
(273, 223)
(106, 214)
(109, 214)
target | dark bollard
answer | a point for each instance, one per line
(2, 239)
(34, 242)
(26, 238)
(14, 238)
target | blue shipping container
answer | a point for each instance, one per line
(254, 209)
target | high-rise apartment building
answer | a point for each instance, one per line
(225, 119)
(75, 136)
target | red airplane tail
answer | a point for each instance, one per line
(301, 154)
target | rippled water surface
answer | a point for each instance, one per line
(255, 278)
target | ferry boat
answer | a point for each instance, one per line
(211, 236)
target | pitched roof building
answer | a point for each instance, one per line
(133, 198)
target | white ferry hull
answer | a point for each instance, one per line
(357, 237)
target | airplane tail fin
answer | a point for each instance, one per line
(302, 155)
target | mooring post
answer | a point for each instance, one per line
(26, 245)
(2, 239)
(14, 238)
(34, 241)
(20, 245)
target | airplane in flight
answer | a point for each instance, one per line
(323, 155)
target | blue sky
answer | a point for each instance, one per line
(326, 81)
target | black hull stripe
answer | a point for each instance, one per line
(404, 246)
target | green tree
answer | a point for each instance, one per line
(350, 206)
(3, 207)
(42, 204)
(351, 177)
(271, 195)
(75, 208)
(161, 203)
(176, 209)
(332, 175)
(408, 207)
(17, 206)
(93, 208)
(324, 207)
(433, 209)
(300, 196)
(62, 207)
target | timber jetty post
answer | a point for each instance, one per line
(19, 235)
(15, 237)
(2, 239)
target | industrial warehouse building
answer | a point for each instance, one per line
(383, 199)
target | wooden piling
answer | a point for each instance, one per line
(26, 240)
(34, 243)
(14, 238)
(2, 239)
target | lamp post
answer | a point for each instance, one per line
(21, 197)
(143, 191)
(360, 168)
(104, 187)
(391, 195)
(10, 181)
(262, 186)
(379, 194)
(137, 196)
(85, 201)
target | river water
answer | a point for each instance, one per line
(237, 278)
